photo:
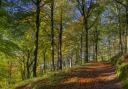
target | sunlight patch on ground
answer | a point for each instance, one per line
(71, 80)
(106, 78)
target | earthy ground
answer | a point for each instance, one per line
(93, 76)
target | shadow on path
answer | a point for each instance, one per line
(94, 76)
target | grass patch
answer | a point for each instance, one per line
(123, 75)
(49, 79)
(121, 69)
(32, 82)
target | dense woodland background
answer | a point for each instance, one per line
(38, 37)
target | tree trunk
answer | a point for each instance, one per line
(126, 31)
(120, 34)
(93, 48)
(86, 39)
(28, 71)
(60, 40)
(81, 46)
(37, 34)
(85, 20)
(76, 54)
(10, 71)
(44, 58)
(70, 62)
(0, 3)
(85, 24)
(96, 44)
(52, 34)
(27, 66)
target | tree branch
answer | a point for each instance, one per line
(93, 22)
(79, 6)
(90, 9)
(34, 2)
(120, 3)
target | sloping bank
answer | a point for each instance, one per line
(121, 64)
(51, 78)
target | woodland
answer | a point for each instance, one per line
(63, 44)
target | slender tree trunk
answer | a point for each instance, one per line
(27, 66)
(60, 40)
(37, 36)
(93, 47)
(44, 58)
(28, 71)
(96, 44)
(85, 20)
(120, 34)
(24, 70)
(0, 3)
(96, 50)
(10, 71)
(86, 39)
(70, 62)
(109, 49)
(76, 54)
(126, 31)
(81, 47)
(52, 34)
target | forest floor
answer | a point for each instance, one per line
(92, 76)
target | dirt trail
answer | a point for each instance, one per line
(93, 76)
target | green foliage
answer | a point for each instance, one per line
(122, 72)
(17, 35)
(50, 78)
(116, 60)
(8, 47)
(3, 72)
(125, 84)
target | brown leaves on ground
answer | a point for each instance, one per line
(93, 76)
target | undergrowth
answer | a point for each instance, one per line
(51, 78)
(121, 70)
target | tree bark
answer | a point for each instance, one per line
(52, 34)
(27, 65)
(126, 31)
(44, 58)
(81, 46)
(85, 24)
(85, 20)
(120, 33)
(96, 44)
(60, 40)
(37, 36)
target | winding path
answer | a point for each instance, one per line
(92, 76)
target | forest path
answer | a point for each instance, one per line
(92, 76)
